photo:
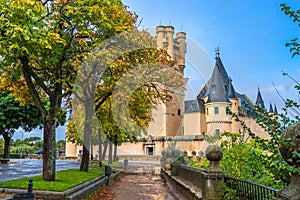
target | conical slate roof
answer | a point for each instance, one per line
(231, 91)
(218, 87)
(275, 110)
(259, 100)
(271, 109)
(221, 69)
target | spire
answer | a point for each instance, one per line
(231, 91)
(259, 100)
(275, 110)
(217, 87)
(271, 108)
(221, 67)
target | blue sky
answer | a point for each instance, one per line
(251, 36)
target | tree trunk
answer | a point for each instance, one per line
(92, 156)
(115, 152)
(84, 165)
(110, 153)
(100, 147)
(49, 154)
(105, 149)
(6, 145)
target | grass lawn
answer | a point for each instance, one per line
(64, 180)
(105, 162)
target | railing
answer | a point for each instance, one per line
(253, 191)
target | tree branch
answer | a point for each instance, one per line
(26, 68)
(34, 93)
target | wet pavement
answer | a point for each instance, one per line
(19, 168)
(141, 180)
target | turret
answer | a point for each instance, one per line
(169, 38)
(160, 36)
(218, 103)
(181, 40)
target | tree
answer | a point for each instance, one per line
(121, 84)
(14, 115)
(45, 41)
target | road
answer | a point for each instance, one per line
(19, 168)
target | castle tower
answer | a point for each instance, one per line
(235, 103)
(218, 102)
(168, 118)
(160, 37)
(170, 41)
(181, 50)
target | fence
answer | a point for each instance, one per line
(252, 191)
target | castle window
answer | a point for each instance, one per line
(225, 89)
(213, 89)
(216, 110)
(218, 132)
(207, 111)
(179, 112)
(193, 107)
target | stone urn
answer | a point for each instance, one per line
(289, 146)
(176, 153)
(214, 154)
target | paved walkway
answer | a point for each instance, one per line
(141, 181)
(19, 168)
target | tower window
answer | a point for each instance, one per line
(218, 132)
(216, 110)
(179, 112)
(193, 107)
(206, 111)
(213, 89)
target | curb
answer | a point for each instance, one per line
(76, 193)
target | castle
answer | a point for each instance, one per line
(186, 122)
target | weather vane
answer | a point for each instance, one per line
(217, 50)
